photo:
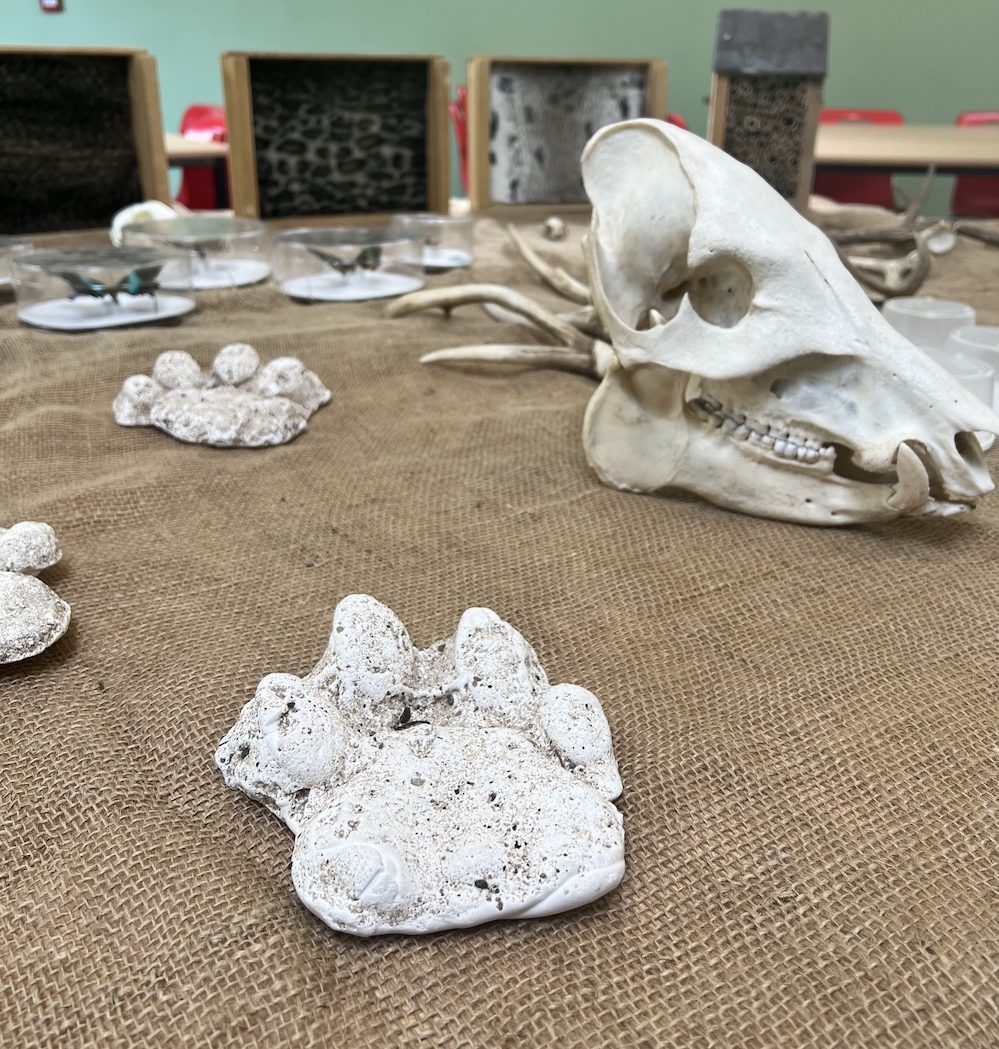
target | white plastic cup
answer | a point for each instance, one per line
(974, 374)
(926, 321)
(9, 247)
(981, 342)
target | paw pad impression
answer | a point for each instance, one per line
(436, 788)
(32, 616)
(239, 403)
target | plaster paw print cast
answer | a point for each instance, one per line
(737, 357)
(432, 789)
(32, 616)
(238, 404)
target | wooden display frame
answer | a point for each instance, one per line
(768, 46)
(242, 149)
(144, 103)
(718, 115)
(478, 74)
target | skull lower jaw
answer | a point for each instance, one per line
(642, 435)
(767, 470)
(754, 480)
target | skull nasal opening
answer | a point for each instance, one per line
(720, 292)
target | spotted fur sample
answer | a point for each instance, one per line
(765, 127)
(338, 137)
(67, 158)
(543, 116)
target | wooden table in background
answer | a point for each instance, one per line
(838, 147)
(908, 148)
(190, 153)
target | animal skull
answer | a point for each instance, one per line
(749, 367)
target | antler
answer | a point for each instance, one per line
(582, 341)
(892, 277)
(555, 277)
(515, 358)
(979, 233)
(577, 352)
(448, 299)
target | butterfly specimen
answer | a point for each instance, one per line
(140, 281)
(368, 259)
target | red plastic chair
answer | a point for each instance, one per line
(976, 196)
(859, 188)
(204, 123)
(459, 118)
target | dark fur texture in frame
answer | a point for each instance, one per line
(339, 137)
(68, 158)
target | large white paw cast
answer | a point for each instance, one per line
(237, 404)
(32, 616)
(434, 788)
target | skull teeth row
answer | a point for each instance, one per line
(802, 450)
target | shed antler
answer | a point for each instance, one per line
(448, 299)
(581, 341)
(576, 351)
(891, 277)
(555, 277)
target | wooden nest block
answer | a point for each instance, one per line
(766, 93)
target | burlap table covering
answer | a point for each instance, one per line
(806, 720)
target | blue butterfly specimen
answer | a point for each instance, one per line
(141, 281)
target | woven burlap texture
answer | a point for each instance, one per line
(805, 720)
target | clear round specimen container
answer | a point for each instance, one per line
(80, 289)
(447, 239)
(225, 252)
(346, 263)
(9, 247)
(974, 374)
(927, 321)
(981, 342)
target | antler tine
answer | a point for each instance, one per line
(585, 319)
(978, 233)
(555, 277)
(515, 358)
(913, 211)
(892, 277)
(478, 294)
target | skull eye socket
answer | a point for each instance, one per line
(720, 291)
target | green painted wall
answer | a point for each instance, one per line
(928, 59)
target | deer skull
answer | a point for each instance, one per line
(749, 367)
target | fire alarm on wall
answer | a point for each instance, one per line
(53, 7)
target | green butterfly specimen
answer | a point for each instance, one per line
(368, 259)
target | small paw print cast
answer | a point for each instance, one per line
(32, 616)
(238, 403)
(436, 788)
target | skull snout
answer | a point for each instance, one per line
(929, 485)
(957, 472)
